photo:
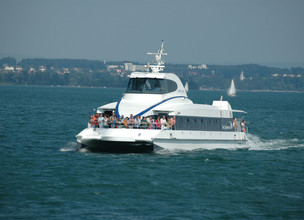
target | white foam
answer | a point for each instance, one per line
(255, 143)
(172, 150)
(83, 150)
(70, 146)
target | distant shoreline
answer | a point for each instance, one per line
(211, 90)
(255, 90)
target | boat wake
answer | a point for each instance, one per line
(181, 149)
(70, 146)
(254, 143)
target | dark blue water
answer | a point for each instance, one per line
(42, 176)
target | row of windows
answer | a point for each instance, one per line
(203, 124)
(151, 86)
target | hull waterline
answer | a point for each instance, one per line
(117, 146)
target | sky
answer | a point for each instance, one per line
(194, 31)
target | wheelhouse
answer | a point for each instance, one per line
(151, 86)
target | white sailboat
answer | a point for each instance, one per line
(186, 87)
(231, 90)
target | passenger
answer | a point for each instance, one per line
(92, 121)
(113, 121)
(158, 123)
(174, 120)
(96, 121)
(171, 122)
(113, 115)
(119, 121)
(101, 121)
(131, 121)
(243, 126)
(144, 123)
(150, 126)
(156, 86)
(149, 120)
(152, 122)
(163, 122)
(234, 124)
(125, 122)
(137, 121)
(106, 121)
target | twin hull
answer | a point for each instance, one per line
(144, 140)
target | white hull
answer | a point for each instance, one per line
(191, 140)
(198, 144)
(140, 140)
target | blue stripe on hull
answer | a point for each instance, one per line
(149, 108)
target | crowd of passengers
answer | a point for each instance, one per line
(100, 120)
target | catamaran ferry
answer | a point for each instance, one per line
(132, 123)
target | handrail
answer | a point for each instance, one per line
(237, 127)
(153, 126)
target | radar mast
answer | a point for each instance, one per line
(158, 62)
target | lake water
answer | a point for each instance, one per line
(42, 176)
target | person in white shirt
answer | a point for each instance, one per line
(137, 121)
(163, 123)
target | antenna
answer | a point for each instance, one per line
(159, 63)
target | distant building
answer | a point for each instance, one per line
(111, 67)
(132, 68)
(140, 67)
(203, 66)
(192, 73)
(42, 68)
(32, 70)
(129, 67)
(76, 69)
(65, 70)
(8, 68)
(19, 69)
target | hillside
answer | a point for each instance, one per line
(81, 72)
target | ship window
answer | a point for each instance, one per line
(151, 86)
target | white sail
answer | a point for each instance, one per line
(231, 91)
(186, 87)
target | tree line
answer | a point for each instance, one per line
(94, 73)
